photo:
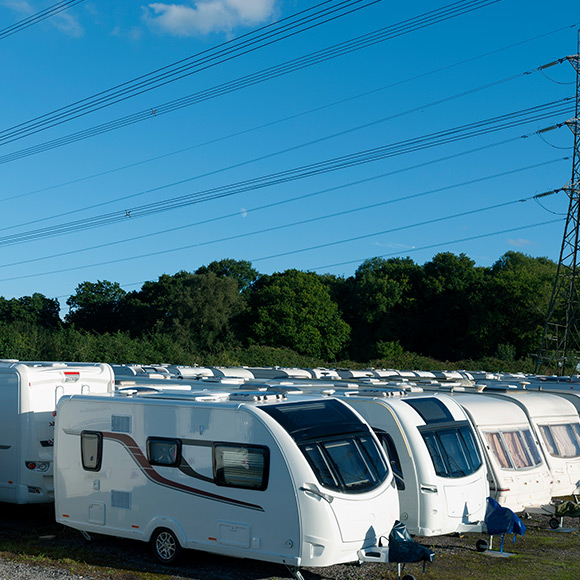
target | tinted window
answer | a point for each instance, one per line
(453, 451)
(91, 450)
(338, 446)
(163, 451)
(391, 451)
(431, 410)
(315, 419)
(241, 466)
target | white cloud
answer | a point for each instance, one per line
(520, 242)
(63, 21)
(206, 16)
(68, 24)
(20, 6)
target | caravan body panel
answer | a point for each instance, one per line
(557, 429)
(269, 481)
(29, 393)
(431, 503)
(519, 476)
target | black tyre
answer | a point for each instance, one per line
(408, 577)
(554, 523)
(165, 546)
(481, 545)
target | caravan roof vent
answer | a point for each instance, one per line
(257, 397)
(376, 393)
(285, 389)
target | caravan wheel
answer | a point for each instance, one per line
(165, 546)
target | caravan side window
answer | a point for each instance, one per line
(389, 446)
(91, 450)
(244, 466)
(162, 451)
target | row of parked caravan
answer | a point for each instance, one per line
(452, 438)
(303, 467)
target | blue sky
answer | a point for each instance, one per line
(461, 196)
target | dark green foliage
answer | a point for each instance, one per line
(294, 309)
(96, 306)
(35, 309)
(240, 270)
(390, 313)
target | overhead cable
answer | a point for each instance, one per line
(279, 120)
(258, 38)
(38, 17)
(27, 129)
(271, 205)
(269, 155)
(487, 126)
(447, 243)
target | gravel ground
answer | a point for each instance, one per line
(107, 558)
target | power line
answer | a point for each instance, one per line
(249, 42)
(449, 242)
(38, 17)
(402, 228)
(267, 230)
(281, 120)
(300, 63)
(286, 201)
(487, 126)
(283, 151)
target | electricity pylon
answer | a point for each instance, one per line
(560, 346)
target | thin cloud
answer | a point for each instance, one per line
(65, 22)
(520, 242)
(202, 17)
(68, 24)
(20, 6)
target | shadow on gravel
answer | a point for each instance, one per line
(30, 530)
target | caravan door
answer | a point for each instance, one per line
(9, 438)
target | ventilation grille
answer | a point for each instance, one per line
(121, 424)
(121, 499)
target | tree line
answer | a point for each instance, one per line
(390, 312)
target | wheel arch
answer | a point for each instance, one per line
(168, 523)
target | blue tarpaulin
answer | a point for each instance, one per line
(501, 520)
(402, 548)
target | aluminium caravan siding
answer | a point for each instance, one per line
(29, 392)
(130, 494)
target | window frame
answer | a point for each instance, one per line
(218, 475)
(99, 451)
(525, 436)
(439, 452)
(164, 440)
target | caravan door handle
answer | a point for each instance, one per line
(313, 489)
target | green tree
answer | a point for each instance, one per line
(381, 303)
(447, 307)
(96, 306)
(200, 311)
(241, 270)
(515, 304)
(294, 309)
(36, 309)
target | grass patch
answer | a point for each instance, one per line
(540, 553)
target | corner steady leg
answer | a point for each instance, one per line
(295, 571)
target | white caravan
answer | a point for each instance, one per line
(29, 392)
(435, 456)
(250, 475)
(557, 429)
(519, 478)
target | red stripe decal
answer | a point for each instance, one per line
(141, 460)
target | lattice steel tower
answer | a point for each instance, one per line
(560, 346)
